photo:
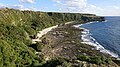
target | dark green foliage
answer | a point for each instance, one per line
(55, 62)
(38, 46)
(92, 18)
(16, 54)
(94, 59)
(117, 62)
(52, 63)
(83, 58)
(16, 28)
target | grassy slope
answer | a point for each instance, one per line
(18, 27)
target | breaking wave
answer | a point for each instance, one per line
(88, 39)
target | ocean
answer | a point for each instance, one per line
(105, 36)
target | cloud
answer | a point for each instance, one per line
(57, 1)
(106, 11)
(71, 5)
(20, 7)
(92, 9)
(111, 11)
(79, 6)
(26, 1)
(16, 6)
(2, 5)
(116, 7)
(82, 6)
(11, 6)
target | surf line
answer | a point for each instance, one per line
(88, 39)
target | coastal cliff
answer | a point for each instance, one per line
(18, 28)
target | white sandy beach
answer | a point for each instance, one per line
(45, 31)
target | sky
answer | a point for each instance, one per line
(98, 7)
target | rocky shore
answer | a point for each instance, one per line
(65, 42)
(58, 47)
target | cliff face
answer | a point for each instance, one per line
(18, 27)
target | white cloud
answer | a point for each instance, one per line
(71, 5)
(80, 6)
(17, 6)
(20, 7)
(11, 6)
(116, 7)
(57, 1)
(2, 5)
(75, 3)
(111, 11)
(92, 9)
(27, 1)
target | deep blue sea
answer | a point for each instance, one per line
(106, 33)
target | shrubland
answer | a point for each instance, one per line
(17, 28)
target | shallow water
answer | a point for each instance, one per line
(107, 34)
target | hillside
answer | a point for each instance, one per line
(18, 28)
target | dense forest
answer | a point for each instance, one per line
(17, 28)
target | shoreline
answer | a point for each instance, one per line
(45, 31)
(45, 39)
(41, 33)
(65, 42)
(87, 39)
(85, 33)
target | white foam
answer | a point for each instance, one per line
(87, 39)
(106, 21)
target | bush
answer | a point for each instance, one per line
(94, 59)
(55, 62)
(17, 26)
(83, 58)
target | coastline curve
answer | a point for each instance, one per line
(88, 39)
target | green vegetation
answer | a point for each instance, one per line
(95, 59)
(55, 62)
(18, 27)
